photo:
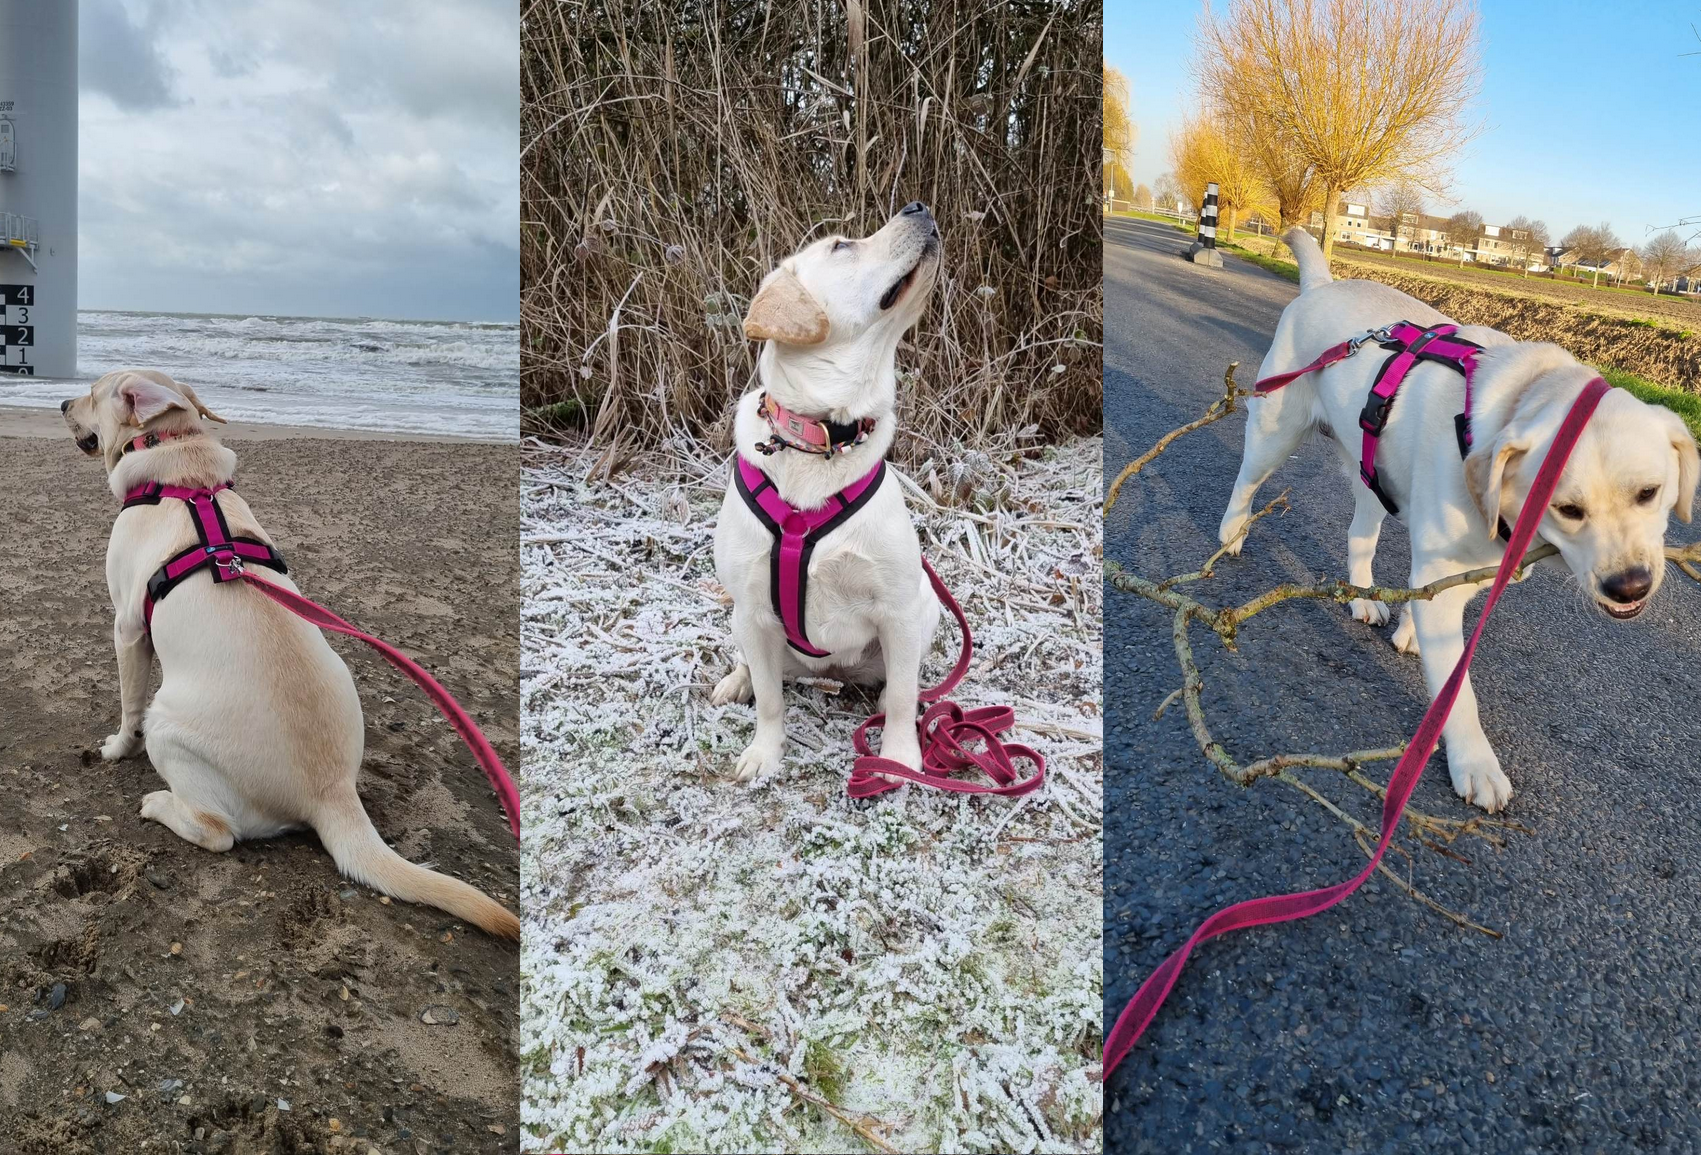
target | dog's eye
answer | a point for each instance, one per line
(1570, 511)
(1646, 494)
(837, 245)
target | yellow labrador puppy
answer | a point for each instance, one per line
(1634, 466)
(816, 429)
(256, 727)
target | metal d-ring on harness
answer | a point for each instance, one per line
(1407, 345)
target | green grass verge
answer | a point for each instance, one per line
(1685, 405)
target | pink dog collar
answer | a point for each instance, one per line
(814, 435)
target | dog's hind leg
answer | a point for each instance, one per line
(1362, 537)
(735, 687)
(202, 826)
(1275, 425)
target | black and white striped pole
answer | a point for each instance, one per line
(1204, 250)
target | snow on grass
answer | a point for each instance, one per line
(770, 967)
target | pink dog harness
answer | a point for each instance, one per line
(227, 557)
(217, 550)
(949, 735)
(796, 534)
(1407, 344)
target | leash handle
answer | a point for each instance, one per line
(946, 731)
(446, 705)
(1141, 1009)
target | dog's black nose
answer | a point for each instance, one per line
(64, 405)
(1630, 586)
(913, 208)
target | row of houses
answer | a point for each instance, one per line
(1422, 233)
(1496, 245)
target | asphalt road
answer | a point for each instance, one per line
(1379, 1026)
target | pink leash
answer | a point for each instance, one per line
(1139, 1012)
(446, 705)
(946, 731)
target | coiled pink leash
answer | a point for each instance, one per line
(948, 734)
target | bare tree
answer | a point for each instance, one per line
(1462, 231)
(1142, 197)
(1361, 91)
(1629, 263)
(1167, 191)
(1402, 204)
(1664, 257)
(1595, 244)
(1571, 245)
(1525, 238)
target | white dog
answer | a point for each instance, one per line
(1634, 465)
(256, 727)
(831, 317)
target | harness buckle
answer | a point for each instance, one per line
(233, 567)
(1374, 415)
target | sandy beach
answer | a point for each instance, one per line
(256, 1001)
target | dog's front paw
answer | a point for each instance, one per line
(1231, 532)
(756, 759)
(1478, 779)
(121, 745)
(735, 687)
(906, 753)
(1405, 634)
(1369, 612)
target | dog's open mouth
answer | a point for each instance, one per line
(89, 442)
(898, 286)
(1624, 611)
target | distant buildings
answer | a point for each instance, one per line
(1422, 233)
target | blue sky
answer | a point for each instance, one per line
(1588, 110)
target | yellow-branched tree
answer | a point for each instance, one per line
(1203, 150)
(1363, 92)
(1119, 131)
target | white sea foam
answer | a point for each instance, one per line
(357, 373)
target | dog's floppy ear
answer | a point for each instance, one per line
(196, 402)
(145, 400)
(784, 311)
(1485, 473)
(1688, 465)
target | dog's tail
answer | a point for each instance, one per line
(360, 854)
(1313, 266)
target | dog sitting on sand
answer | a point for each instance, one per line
(256, 727)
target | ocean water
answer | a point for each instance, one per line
(457, 378)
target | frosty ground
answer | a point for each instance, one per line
(721, 967)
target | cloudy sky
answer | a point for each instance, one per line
(300, 157)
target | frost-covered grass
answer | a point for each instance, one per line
(769, 967)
